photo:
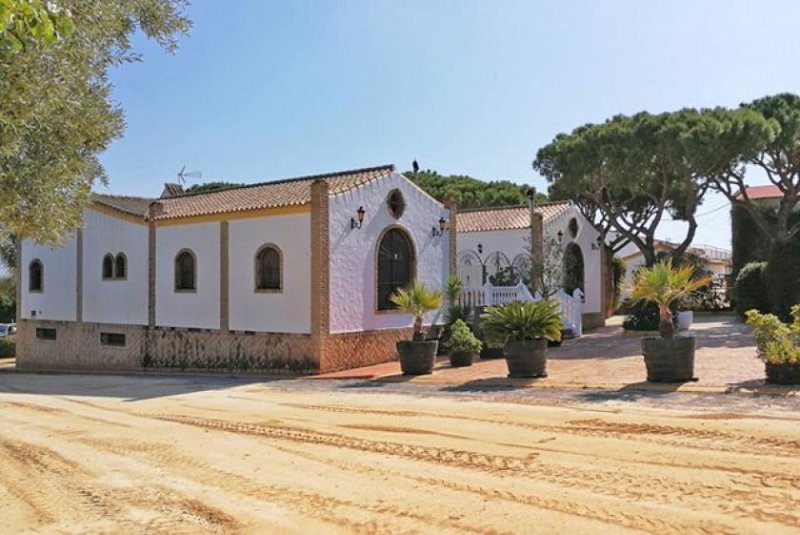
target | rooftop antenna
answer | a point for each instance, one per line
(183, 175)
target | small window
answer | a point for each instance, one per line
(268, 268)
(573, 228)
(36, 276)
(120, 266)
(108, 267)
(112, 339)
(185, 271)
(45, 334)
(396, 203)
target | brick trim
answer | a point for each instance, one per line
(18, 275)
(151, 274)
(451, 205)
(537, 236)
(320, 269)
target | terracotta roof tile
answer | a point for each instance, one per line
(762, 192)
(506, 217)
(281, 193)
(130, 205)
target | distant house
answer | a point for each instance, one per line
(494, 245)
(288, 275)
(715, 259)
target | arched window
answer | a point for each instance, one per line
(108, 267)
(36, 276)
(185, 271)
(396, 265)
(573, 269)
(268, 268)
(120, 266)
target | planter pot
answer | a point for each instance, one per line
(527, 359)
(783, 374)
(492, 352)
(417, 358)
(685, 319)
(669, 361)
(460, 359)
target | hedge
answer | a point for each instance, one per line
(751, 290)
(8, 347)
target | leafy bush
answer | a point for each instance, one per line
(462, 340)
(520, 321)
(641, 316)
(777, 342)
(751, 289)
(8, 347)
(782, 278)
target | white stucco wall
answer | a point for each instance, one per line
(58, 299)
(353, 263)
(285, 311)
(200, 308)
(121, 301)
(513, 242)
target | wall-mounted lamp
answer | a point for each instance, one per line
(442, 225)
(357, 223)
(480, 248)
(560, 236)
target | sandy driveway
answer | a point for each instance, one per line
(116, 454)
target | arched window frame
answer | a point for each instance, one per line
(180, 285)
(257, 269)
(413, 261)
(124, 263)
(107, 267)
(36, 274)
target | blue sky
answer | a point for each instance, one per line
(264, 90)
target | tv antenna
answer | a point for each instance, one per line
(183, 175)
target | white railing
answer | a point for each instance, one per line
(571, 305)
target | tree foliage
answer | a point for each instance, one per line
(56, 114)
(29, 22)
(469, 192)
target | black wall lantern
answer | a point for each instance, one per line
(357, 223)
(480, 248)
(599, 243)
(442, 225)
(560, 236)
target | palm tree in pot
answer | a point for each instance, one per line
(524, 328)
(417, 356)
(668, 358)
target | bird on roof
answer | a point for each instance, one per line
(415, 166)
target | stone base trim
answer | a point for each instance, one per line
(593, 320)
(78, 347)
(352, 350)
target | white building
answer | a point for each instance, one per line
(494, 247)
(293, 274)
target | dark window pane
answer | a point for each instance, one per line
(108, 267)
(185, 271)
(121, 266)
(35, 276)
(45, 334)
(395, 266)
(268, 269)
(112, 339)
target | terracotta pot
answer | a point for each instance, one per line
(783, 374)
(460, 359)
(527, 358)
(669, 360)
(417, 358)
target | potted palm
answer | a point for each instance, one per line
(668, 358)
(462, 345)
(417, 356)
(524, 328)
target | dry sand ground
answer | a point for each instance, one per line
(255, 459)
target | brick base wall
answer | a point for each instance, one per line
(77, 347)
(352, 350)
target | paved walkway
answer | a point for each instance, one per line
(606, 358)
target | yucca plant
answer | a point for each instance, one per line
(521, 321)
(455, 310)
(664, 285)
(417, 299)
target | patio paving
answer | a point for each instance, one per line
(606, 358)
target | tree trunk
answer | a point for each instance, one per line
(666, 327)
(419, 332)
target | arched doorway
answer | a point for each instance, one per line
(470, 268)
(396, 265)
(573, 269)
(497, 270)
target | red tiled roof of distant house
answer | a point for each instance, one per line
(762, 192)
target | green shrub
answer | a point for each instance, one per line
(778, 343)
(782, 278)
(8, 347)
(641, 316)
(750, 290)
(462, 340)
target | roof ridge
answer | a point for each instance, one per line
(115, 196)
(510, 206)
(388, 167)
